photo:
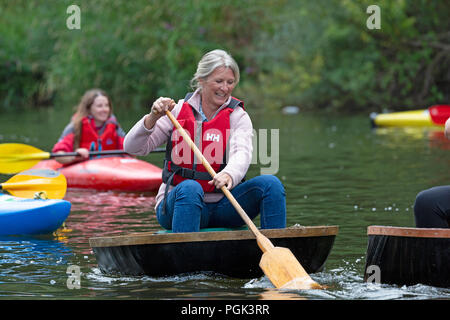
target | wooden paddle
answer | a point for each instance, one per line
(16, 157)
(31, 182)
(279, 264)
(439, 113)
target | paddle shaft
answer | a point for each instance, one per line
(96, 153)
(17, 157)
(279, 264)
(263, 242)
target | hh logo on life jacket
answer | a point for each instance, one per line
(212, 137)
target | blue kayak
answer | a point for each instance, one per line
(31, 216)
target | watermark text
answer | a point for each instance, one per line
(74, 20)
(74, 278)
(374, 20)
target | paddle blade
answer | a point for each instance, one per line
(16, 157)
(26, 184)
(284, 271)
(439, 113)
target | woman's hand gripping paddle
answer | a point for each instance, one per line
(279, 264)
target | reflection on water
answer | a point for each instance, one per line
(336, 171)
(29, 265)
(106, 213)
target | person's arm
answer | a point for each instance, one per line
(65, 144)
(151, 131)
(83, 155)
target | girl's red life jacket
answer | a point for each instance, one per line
(106, 139)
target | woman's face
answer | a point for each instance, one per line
(217, 87)
(100, 110)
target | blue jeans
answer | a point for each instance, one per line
(187, 212)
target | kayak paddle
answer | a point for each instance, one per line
(16, 157)
(439, 113)
(30, 183)
(279, 264)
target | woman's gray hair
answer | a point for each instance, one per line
(210, 62)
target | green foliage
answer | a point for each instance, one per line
(316, 54)
(340, 64)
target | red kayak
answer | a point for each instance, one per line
(109, 173)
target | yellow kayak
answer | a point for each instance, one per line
(434, 116)
(416, 118)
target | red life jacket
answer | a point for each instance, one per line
(106, 139)
(211, 139)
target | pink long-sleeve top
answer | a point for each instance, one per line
(140, 141)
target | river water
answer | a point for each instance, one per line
(337, 170)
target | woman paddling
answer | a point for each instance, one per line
(217, 122)
(93, 127)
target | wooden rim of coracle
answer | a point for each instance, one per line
(408, 232)
(154, 238)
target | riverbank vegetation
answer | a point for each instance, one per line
(314, 54)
